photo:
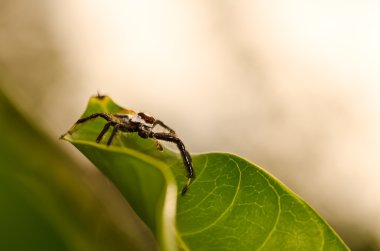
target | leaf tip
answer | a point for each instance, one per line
(65, 136)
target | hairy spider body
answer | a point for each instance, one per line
(143, 124)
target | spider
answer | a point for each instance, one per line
(143, 124)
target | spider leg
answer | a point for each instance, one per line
(114, 131)
(93, 116)
(159, 122)
(145, 133)
(118, 115)
(82, 120)
(105, 129)
(184, 153)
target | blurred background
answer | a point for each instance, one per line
(290, 85)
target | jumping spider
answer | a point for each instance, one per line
(143, 124)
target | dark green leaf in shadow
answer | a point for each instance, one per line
(231, 205)
(48, 203)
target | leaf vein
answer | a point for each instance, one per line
(278, 213)
(225, 211)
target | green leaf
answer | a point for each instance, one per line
(47, 202)
(231, 205)
(243, 208)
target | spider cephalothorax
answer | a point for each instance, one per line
(143, 124)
